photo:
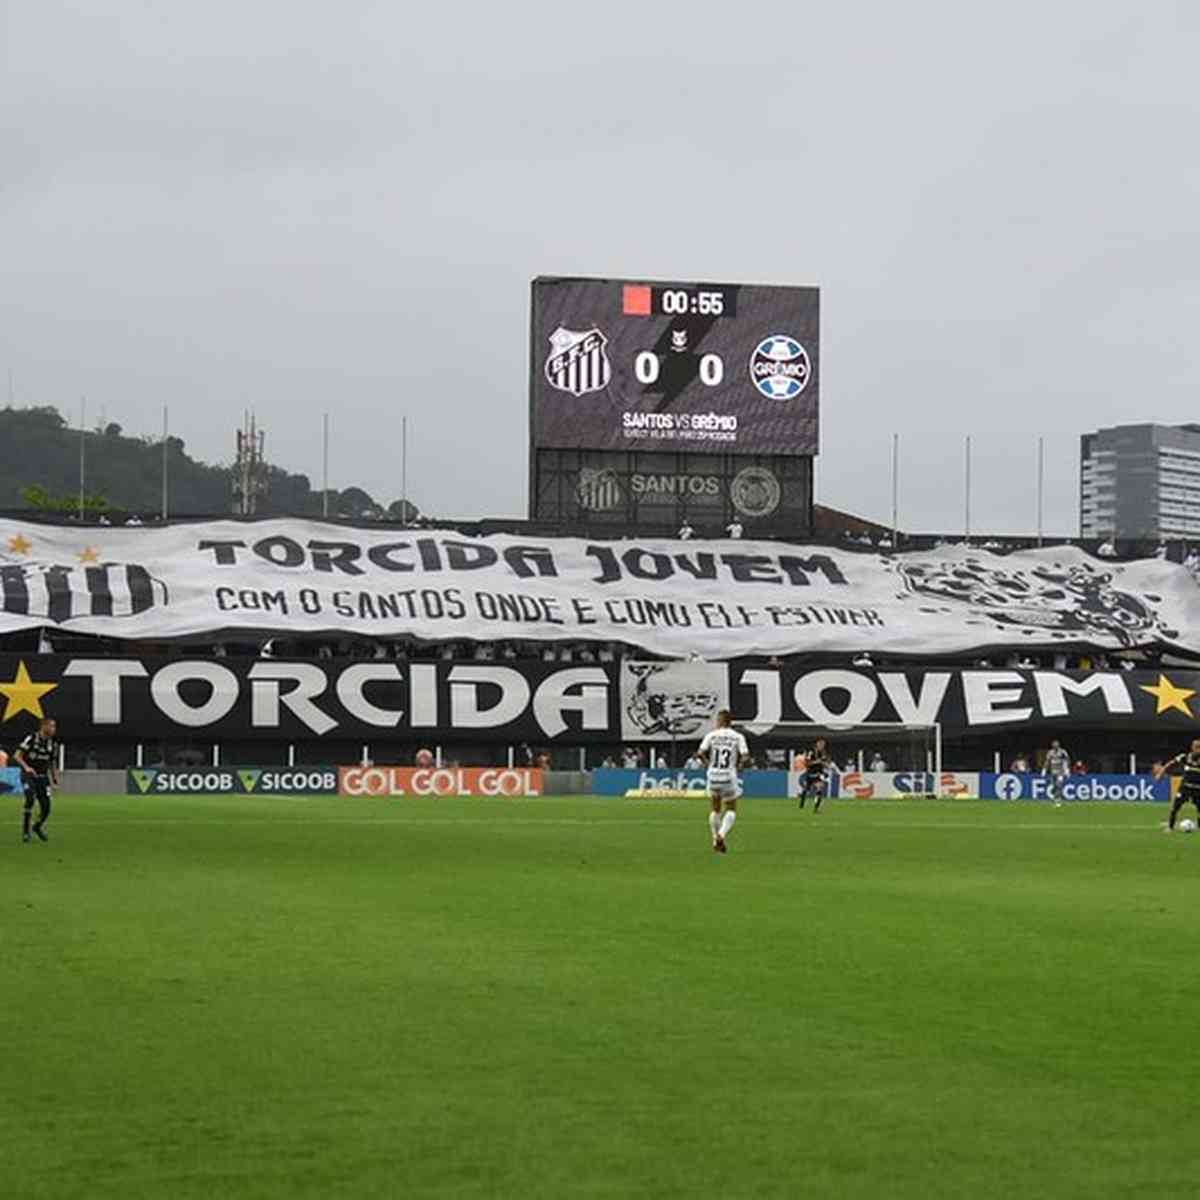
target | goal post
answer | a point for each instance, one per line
(860, 746)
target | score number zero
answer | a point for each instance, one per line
(646, 368)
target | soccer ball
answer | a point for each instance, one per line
(1187, 825)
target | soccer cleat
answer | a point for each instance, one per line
(25, 836)
(43, 836)
(719, 845)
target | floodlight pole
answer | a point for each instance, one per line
(1041, 484)
(325, 465)
(404, 469)
(82, 441)
(164, 464)
(967, 488)
(895, 491)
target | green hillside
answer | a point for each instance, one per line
(39, 469)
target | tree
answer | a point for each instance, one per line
(403, 510)
(38, 497)
(353, 502)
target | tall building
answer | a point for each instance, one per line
(1140, 481)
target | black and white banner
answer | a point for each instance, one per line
(717, 600)
(147, 699)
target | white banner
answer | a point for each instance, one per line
(713, 600)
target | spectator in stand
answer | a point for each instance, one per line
(862, 660)
(1080, 767)
(734, 529)
(1020, 764)
(629, 758)
(423, 758)
(685, 532)
(878, 762)
(849, 765)
(542, 762)
(609, 762)
(660, 761)
(694, 762)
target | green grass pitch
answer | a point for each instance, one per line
(575, 997)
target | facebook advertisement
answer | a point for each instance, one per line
(1019, 786)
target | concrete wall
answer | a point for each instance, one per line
(79, 782)
(568, 783)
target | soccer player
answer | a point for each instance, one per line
(1057, 764)
(35, 756)
(816, 769)
(1189, 789)
(723, 751)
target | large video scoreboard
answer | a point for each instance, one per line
(655, 402)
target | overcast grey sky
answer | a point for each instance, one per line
(301, 206)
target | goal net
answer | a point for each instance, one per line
(868, 758)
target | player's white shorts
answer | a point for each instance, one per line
(725, 790)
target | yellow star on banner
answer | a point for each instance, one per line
(88, 555)
(1167, 696)
(23, 695)
(20, 544)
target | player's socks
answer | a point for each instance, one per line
(727, 824)
(714, 823)
(26, 818)
(42, 835)
(1175, 807)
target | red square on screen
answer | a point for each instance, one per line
(637, 300)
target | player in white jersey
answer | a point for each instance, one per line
(1057, 765)
(723, 751)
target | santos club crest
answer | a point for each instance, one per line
(578, 362)
(61, 592)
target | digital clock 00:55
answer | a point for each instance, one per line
(671, 300)
(676, 302)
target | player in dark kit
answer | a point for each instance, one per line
(1189, 788)
(816, 770)
(35, 756)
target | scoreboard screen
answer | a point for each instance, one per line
(640, 365)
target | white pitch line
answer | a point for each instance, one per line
(401, 822)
